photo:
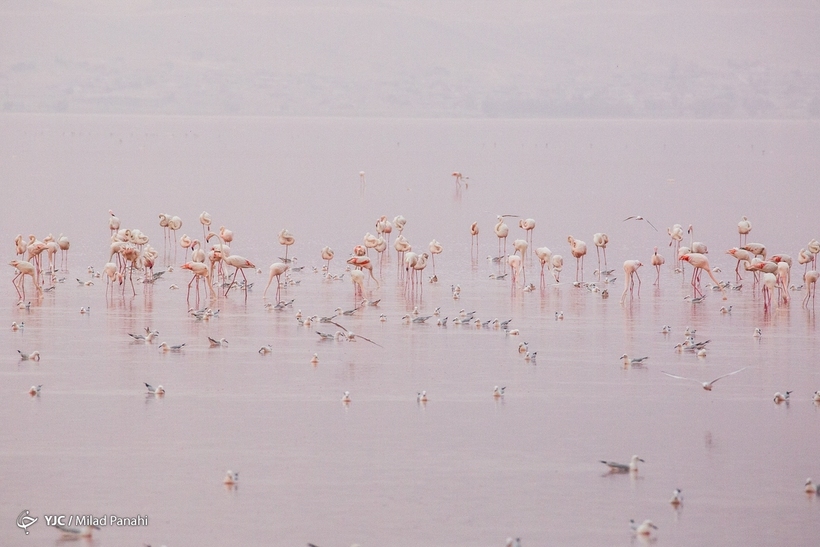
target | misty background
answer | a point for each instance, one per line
(370, 58)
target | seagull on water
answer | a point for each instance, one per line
(615, 467)
(159, 390)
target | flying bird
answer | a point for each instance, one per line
(705, 385)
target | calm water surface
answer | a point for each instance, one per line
(464, 469)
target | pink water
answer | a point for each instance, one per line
(464, 469)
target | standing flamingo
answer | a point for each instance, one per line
(676, 235)
(286, 239)
(699, 263)
(402, 247)
(226, 234)
(64, 244)
(357, 277)
(578, 249)
(185, 242)
(601, 240)
(276, 270)
(370, 242)
(804, 257)
(197, 252)
(696, 246)
(757, 249)
(769, 283)
(783, 278)
(383, 227)
(327, 254)
(205, 220)
(166, 234)
(174, 224)
(474, 237)
(630, 273)
(239, 263)
(557, 267)
(435, 249)
(528, 225)
(399, 222)
(363, 262)
(501, 231)
(743, 228)
(113, 222)
(459, 177)
(362, 182)
(657, 261)
(814, 248)
(20, 245)
(112, 274)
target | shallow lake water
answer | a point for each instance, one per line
(464, 468)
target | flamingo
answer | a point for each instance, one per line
(399, 222)
(804, 257)
(357, 277)
(362, 182)
(676, 233)
(742, 255)
(286, 239)
(363, 262)
(383, 227)
(810, 279)
(435, 249)
(814, 248)
(327, 254)
(370, 242)
(544, 256)
(239, 263)
(402, 247)
(528, 225)
(743, 228)
(630, 273)
(174, 224)
(757, 249)
(501, 231)
(166, 234)
(24, 268)
(205, 220)
(200, 271)
(557, 267)
(64, 245)
(474, 236)
(112, 274)
(769, 283)
(459, 177)
(601, 240)
(696, 246)
(113, 222)
(197, 252)
(185, 243)
(276, 270)
(515, 264)
(700, 262)
(783, 278)
(225, 234)
(20, 245)
(657, 261)
(578, 249)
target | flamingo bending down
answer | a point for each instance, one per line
(557, 267)
(657, 261)
(23, 269)
(630, 273)
(578, 249)
(357, 277)
(757, 249)
(742, 255)
(276, 270)
(200, 271)
(363, 262)
(544, 256)
(810, 279)
(769, 283)
(516, 265)
(700, 262)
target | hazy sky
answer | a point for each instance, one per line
(418, 59)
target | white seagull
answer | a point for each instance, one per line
(705, 385)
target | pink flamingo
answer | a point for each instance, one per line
(20, 245)
(810, 279)
(185, 242)
(743, 228)
(205, 220)
(544, 256)
(474, 236)
(327, 254)
(64, 244)
(769, 283)
(676, 233)
(363, 262)
(286, 238)
(557, 267)
(23, 269)
(240, 264)
(200, 271)
(630, 273)
(699, 262)
(502, 231)
(459, 177)
(276, 270)
(113, 222)
(578, 249)
(515, 264)
(528, 225)
(657, 261)
(742, 255)
(435, 249)
(601, 240)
